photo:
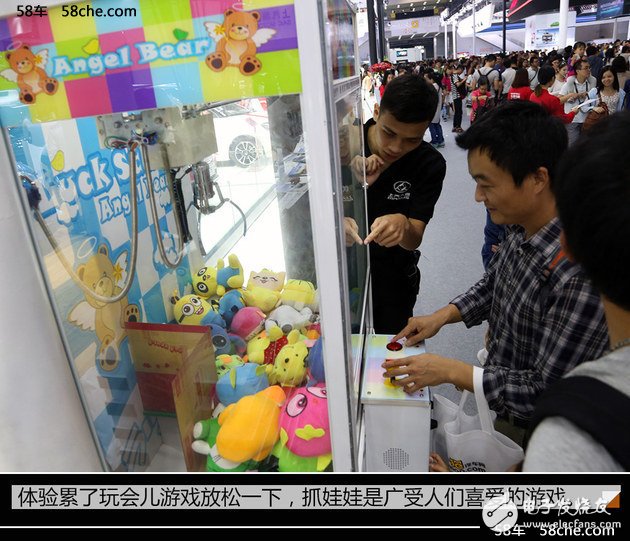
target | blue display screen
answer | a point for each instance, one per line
(607, 9)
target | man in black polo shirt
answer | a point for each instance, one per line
(405, 176)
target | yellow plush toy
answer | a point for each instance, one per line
(251, 427)
(299, 294)
(267, 279)
(264, 348)
(261, 298)
(194, 310)
(289, 368)
(205, 282)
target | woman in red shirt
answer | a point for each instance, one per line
(520, 89)
(550, 103)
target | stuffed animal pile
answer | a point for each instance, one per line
(272, 407)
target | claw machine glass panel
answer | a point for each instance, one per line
(189, 205)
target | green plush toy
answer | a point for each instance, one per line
(290, 462)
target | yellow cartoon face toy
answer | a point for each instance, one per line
(205, 282)
(289, 367)
(191, 310)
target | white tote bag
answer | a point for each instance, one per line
(472, 443)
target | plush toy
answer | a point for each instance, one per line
(230, 277)
(205, 282)
(248, 322)
(262, 298)
(290, 462)
(313, 331)
(304, 419)
(264, 348)
(316, 362)
(266, 279)
(250, 428)
(225, 363)
(226, 343)
(194, 310)
(289, 367)
(205, 434)
(230, 304)
(298, 293)
(241, 381)
(288, 318)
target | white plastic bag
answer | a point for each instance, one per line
(472, 443)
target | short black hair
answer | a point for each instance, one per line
(620, 64)
(594, 212)
(519, 136)
(410, 99)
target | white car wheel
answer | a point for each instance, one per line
(244, 151)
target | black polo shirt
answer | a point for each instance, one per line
(410, 186)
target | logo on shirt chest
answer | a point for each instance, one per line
(401, 188)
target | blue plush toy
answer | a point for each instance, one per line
(230, 277)
(241, 381)
(229, 304)
(316, 362)
(227, 343)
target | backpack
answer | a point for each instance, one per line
(483, 109)
(593, 406)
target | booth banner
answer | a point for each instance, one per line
(422, 25)
(158, 53)
(542, 31)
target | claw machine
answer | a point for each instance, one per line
(182, 286)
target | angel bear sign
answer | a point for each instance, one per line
(27, 70)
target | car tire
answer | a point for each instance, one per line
(244, 151)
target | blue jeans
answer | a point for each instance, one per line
(492, 234)
(437, 136)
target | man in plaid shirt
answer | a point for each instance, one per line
(544, 316)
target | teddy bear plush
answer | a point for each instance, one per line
(27, 70)
(237, 41)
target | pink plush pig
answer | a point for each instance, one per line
(304, 419)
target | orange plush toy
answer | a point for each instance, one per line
(27, 70)
(237, 40)
(251, 427)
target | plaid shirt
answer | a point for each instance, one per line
(542, 322)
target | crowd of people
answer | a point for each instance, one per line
(554, 292)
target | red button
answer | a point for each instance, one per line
(394, 346)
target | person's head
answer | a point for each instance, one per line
(483, 84)
(534, 62)
(521, 78)
(513, 151)
(595, 215)
(625, 49)
(582, 70)
(546, 76)
(407, 107)
(555, 63)
(459, 68)
(388, 76)
(562, 71)
(619, 64)
(591, 50)
(607, 79)
(579, 48)
(491, 60)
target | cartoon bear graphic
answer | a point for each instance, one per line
(106, 319)
(237, 41)
(27, 70)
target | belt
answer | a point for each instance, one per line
(515, 421)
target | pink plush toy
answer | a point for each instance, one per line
(248, 322)
(304, 419)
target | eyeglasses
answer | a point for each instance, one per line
(586, 68)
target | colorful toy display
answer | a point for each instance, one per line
(289, 367)
(205, 434)
(298, 294)
(244, 380)
(262, 298)
(290, 462)
(248, 322)
(226, 343)
(250, 428)
(288, 318)
(264, 348)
